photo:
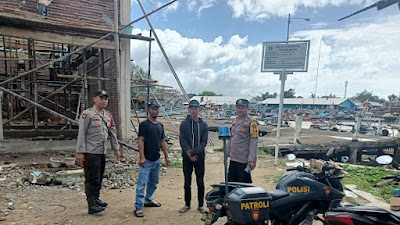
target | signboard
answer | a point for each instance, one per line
(288, 56)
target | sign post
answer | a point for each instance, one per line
(284, 58)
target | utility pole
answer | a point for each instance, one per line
(345, 88)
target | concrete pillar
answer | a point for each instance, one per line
(396, 156)
(353, 155)
(357, 128)
(297, 129)
(125, 78)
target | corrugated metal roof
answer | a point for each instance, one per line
(219, 100)
(305, 101)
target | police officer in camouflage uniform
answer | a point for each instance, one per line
(242, 147)
(96, 125)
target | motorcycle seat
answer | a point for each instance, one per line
(238, 184)
(277, 194)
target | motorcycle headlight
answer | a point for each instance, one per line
(218, 207)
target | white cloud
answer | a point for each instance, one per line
(366, 55)
(199, 5)
(263, 9)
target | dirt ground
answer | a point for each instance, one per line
(62, 205)
(67, 205)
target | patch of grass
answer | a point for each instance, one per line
(366, 177)
(219, 149)
(169, 149)
(264, 150)
(176, 164)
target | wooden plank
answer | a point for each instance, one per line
(50, 37)
(87, 77)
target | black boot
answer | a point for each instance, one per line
(93, 207)
(101, 203)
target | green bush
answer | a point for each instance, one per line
(366, 177)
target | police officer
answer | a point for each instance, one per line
(242, 147)
(95, 126)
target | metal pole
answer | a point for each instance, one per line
(158, 102)
(282, 78)
(288, 25)
(167, 59)
(140, 18)
(316, 77)
(163, 52)
(148, 73)
(226, 167)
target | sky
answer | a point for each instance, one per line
(216, 45)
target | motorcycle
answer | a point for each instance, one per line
(350, 214)
(298, 198)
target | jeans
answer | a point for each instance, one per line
(94, 166)
(198, 166)
(148, 176)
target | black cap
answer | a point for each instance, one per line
(242, 102)
(152, 104)
(100, 93)
(194, 103)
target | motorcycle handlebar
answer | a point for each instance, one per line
(291, 169)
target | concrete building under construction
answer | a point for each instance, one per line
(50, 66)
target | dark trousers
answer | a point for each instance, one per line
(199, 170)
(94, 166)
(237, 172)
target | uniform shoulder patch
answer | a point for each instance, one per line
(84, 116)
(254, 129)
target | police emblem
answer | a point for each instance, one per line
(246, 123)
(327, 191)
(255, 215)
(84, 116)
(96, 116)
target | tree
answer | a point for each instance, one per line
(392, 97)
(364, 95)
(329, 96)
(207, 93)
(266, 95)
(290, 93)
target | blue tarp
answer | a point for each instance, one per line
(322, 115)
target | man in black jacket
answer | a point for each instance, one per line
(193, 140)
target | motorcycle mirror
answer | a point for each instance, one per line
(290, 157)
(330, 151)
(384, 159)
